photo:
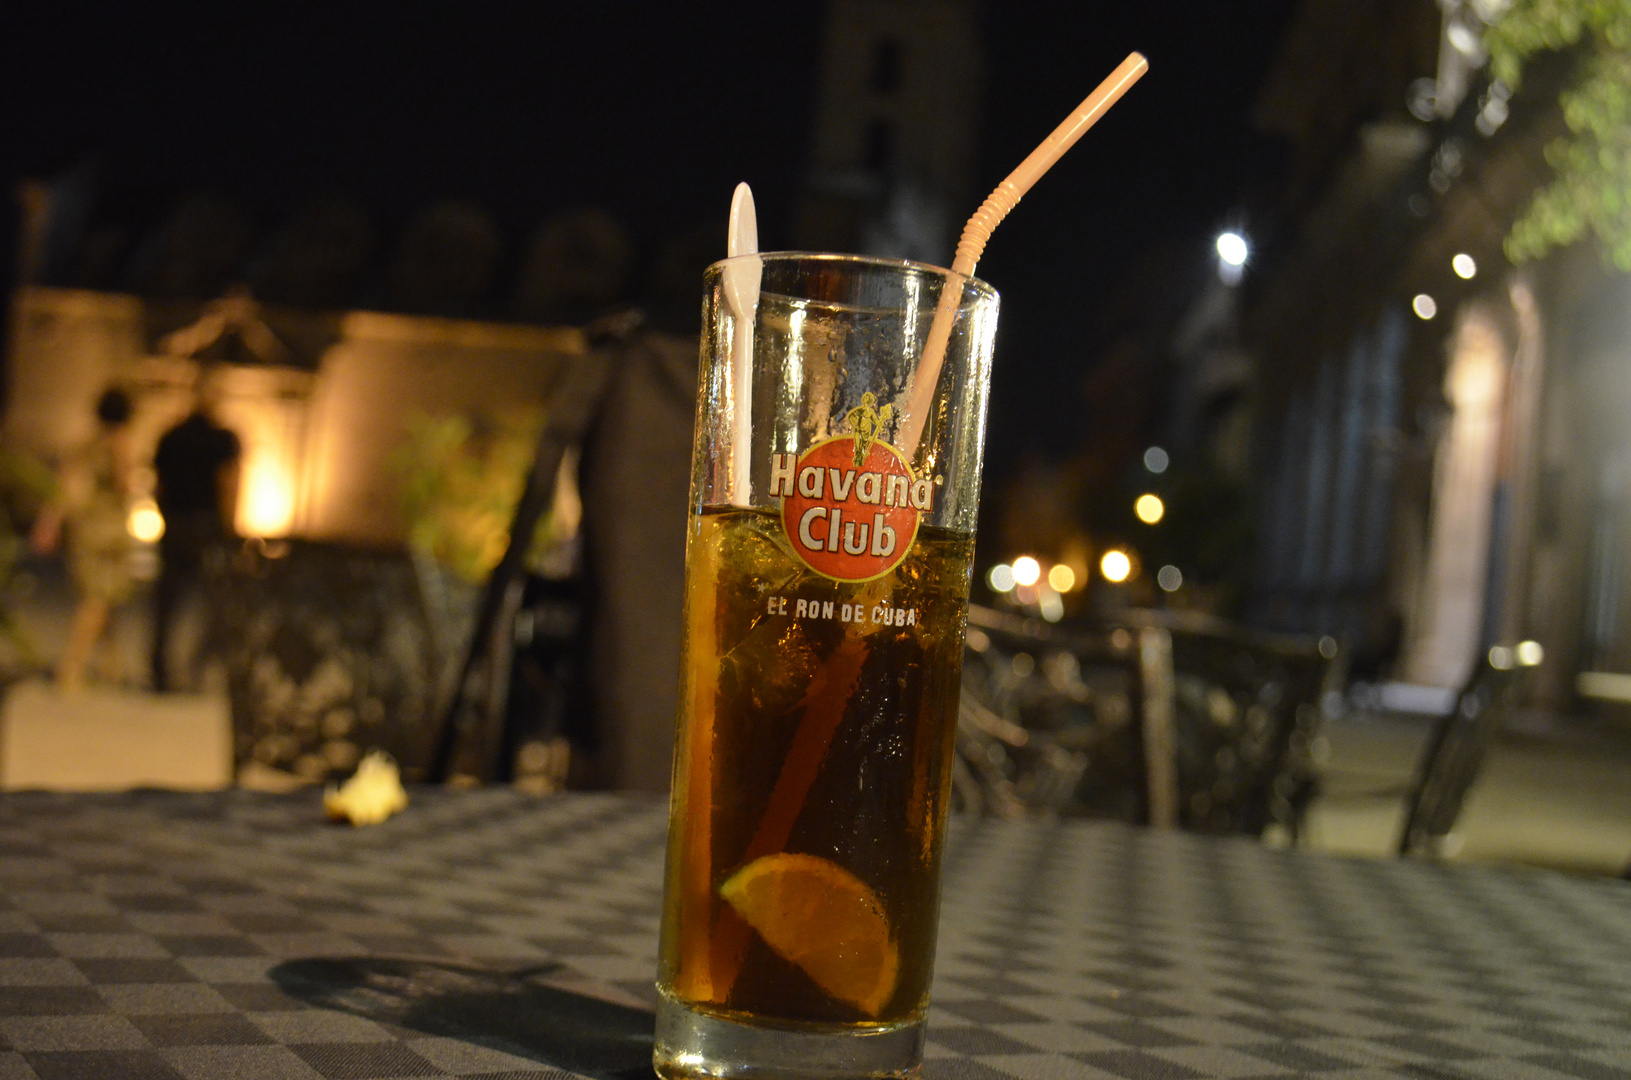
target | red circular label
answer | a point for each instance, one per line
(850, 521)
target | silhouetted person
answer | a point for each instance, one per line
(91, 504)
(196, 467)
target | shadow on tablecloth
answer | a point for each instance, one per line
(513, 1011)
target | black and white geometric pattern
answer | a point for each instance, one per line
(492, 934)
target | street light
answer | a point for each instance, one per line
(1232, 254)
(1115, 566)
(1232, 249)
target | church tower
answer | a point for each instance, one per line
(892, 156)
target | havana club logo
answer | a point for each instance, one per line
(850, 504)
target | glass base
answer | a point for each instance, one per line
(692, 1045)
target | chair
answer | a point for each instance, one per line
(1049, 720)
(1247, 709)
(473, 733)
(331, 651)
(1455, 754)
(628, 406)
(1159, 718)
(328, 654)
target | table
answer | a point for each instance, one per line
(488, 933)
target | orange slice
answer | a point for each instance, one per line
(823, 918)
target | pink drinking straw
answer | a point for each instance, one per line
(990, 214)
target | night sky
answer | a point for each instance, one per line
(654, 112)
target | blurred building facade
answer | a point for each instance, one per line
(326, 339)
(1440, 462)
(321, 413)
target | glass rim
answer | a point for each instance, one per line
(981, 286)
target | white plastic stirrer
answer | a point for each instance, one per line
(742, 296)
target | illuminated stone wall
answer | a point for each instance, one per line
(1445, 633)
(318, 444)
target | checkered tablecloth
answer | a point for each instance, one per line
(491, 934)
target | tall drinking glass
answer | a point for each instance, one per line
(827, 575)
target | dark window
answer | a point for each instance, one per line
(886, 66)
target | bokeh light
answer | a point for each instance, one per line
(145, 523)
(1424, 306)
(1232, 249)
(1465, 266)
(1062, 578)
(1049, 606)
(1156, 460)
(1027, 571)
(1149, 509)
(1169, 577)
(1115, 566)
(1000, 578)
(1529, 653)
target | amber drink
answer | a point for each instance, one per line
(827, 575)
